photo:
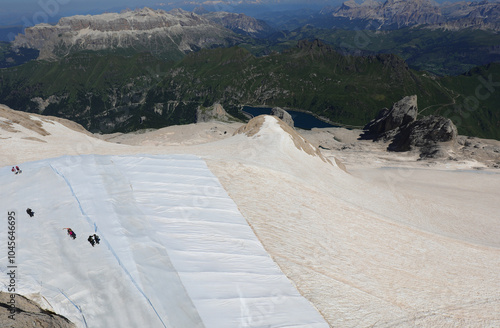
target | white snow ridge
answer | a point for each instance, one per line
(174, 251)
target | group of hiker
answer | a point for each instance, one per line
(93, 239)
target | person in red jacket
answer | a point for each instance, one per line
(71, 233)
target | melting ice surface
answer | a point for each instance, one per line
(174, 252)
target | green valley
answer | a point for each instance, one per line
(109, 93)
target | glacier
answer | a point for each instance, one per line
(175, 250)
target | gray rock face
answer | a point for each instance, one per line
(29, 314)
(407, 13)
(399, 126)
(162, 33)
(283, 115)
(401, 113)
(214, 113)
(426, 132)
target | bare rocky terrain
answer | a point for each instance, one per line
(29, 314)
(399, 133)
(468, 152)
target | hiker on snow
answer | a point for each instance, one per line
(71, 233)
(91, 240)
(18, 170)
(97, 239)
(30, 212)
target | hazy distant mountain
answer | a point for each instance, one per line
(393, 14)
(240, 23)
(483, 15)
(249, 7)
(167, 34)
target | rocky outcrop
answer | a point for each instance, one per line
(400, 127)
(283, 115)
(166, 34)
(214, 113)
(42, 104)
(28, 314)
(388, 121)
(425, 133)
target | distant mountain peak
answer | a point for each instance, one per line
(240, 23)
(172, 33)
(401, 13)
(349, 4)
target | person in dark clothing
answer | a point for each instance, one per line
(97, 239)
(91, 241)
(18, 170)
(30, 212)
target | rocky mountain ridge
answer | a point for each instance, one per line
(394, 14)
(240, 23)
(168, 34)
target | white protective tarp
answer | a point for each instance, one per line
(174, 251)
